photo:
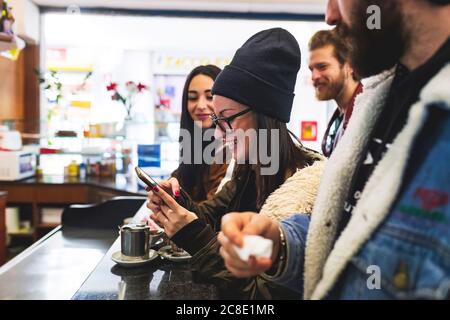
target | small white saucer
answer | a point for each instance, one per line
(118, 258)
(166, 253)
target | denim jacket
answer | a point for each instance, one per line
(408, 256)
(411, 248)
(396, 244)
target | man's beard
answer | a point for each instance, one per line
(379, 49)
(332, 89)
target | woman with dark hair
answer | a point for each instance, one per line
(199, 180)
(252, 94)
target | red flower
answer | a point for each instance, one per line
(112, 86)
(141, 87)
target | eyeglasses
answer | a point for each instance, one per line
(218, 121)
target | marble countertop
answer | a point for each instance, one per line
(76, 264)
(56, 266)
(157, 280)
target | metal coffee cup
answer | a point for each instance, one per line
(134, 240)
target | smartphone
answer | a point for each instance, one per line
(149, 181)
(145, 177)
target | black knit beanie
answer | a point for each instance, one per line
(263, 73)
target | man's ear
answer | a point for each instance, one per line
(350, 73)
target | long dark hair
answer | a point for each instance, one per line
(291, 158)
(190, 175)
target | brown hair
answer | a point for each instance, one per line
(341, 48)
(291, 158)
(188, 174)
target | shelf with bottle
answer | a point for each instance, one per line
(105, 168)
(77, 165)
(10, 45)
(7, 37)
(69, 142)
(53, 160)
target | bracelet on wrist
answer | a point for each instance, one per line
(282, 249)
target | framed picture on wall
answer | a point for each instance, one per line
(308, 130)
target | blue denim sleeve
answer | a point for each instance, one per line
(295, 230)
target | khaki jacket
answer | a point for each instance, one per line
(296, 195)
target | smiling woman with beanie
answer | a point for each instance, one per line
(254, 92)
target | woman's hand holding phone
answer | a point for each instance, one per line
(166, 211)
(170, 186)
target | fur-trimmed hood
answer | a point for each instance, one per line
(326, 258)
(296, 195)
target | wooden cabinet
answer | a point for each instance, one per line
(2, 227)
(35, 197)
(19, 89)
(97, 195)
(61, 194)
(12, 88)
(17, 193)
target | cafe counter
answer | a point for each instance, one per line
(75, 263)
(35, 194)
(119, 183)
